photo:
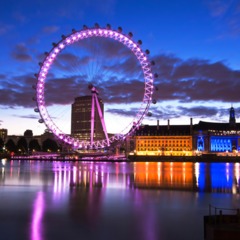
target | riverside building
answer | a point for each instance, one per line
(219, 138)
(164, 140)
(187, 140)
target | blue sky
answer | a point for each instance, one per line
(195, 45)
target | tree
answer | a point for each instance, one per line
(1, 144)
(11, 146)
(28, 133)
(22, 145)
(49, 145)
(34, 145)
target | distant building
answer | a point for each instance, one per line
(3, 133)
(81, 119)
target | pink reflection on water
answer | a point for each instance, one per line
(36, 225)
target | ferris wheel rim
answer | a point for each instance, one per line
(76, 36)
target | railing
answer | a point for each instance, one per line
(222, 221)
(216, 209)
(219, 215)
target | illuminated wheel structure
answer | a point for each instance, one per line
(76, 36)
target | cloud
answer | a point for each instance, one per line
(31, 116)
(50, 29)
(19, 17)
(16, 91)
(108, 8)
(108, 65)
(227, 16)
(21, 53)
(123, 112)
(2, 76)
(5, 28)
(196, 80)
(119, 79)
(196, 111)
(218, 8)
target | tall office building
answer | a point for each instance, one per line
(3, 133)
(81, 119)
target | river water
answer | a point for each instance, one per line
(42, 200)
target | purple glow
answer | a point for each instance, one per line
(36, 226)
(80, 35)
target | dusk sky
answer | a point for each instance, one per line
(195, 45)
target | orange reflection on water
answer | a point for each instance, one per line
(175, 175)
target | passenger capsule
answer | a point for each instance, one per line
(130, 34)
(96, 25)
(119, 29)
(147, 51)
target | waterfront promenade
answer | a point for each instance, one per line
(123, 158)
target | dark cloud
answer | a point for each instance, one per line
(2, 76)
(21, 53)
(164, 112)
(201, 112)
(198, 111)
(119, 79)
(17, 91)
(114, 70)
(196, 80)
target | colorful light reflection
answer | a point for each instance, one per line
(36, 225)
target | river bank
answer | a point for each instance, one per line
(131, 158)
(201, 158)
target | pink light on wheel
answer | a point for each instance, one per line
(126, 41)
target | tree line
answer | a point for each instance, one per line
(24, 147)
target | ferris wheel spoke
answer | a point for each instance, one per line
(84, 64)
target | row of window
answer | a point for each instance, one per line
(166, 149)
(163, 145)
(162, 141)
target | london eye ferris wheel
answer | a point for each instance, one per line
(108, 59)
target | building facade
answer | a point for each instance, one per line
(167, 140)
(219, 138)
(187, 140)
(81, 119)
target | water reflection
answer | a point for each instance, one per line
(201, 177)
(92, 200)
(165, 175)
(36, 225)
